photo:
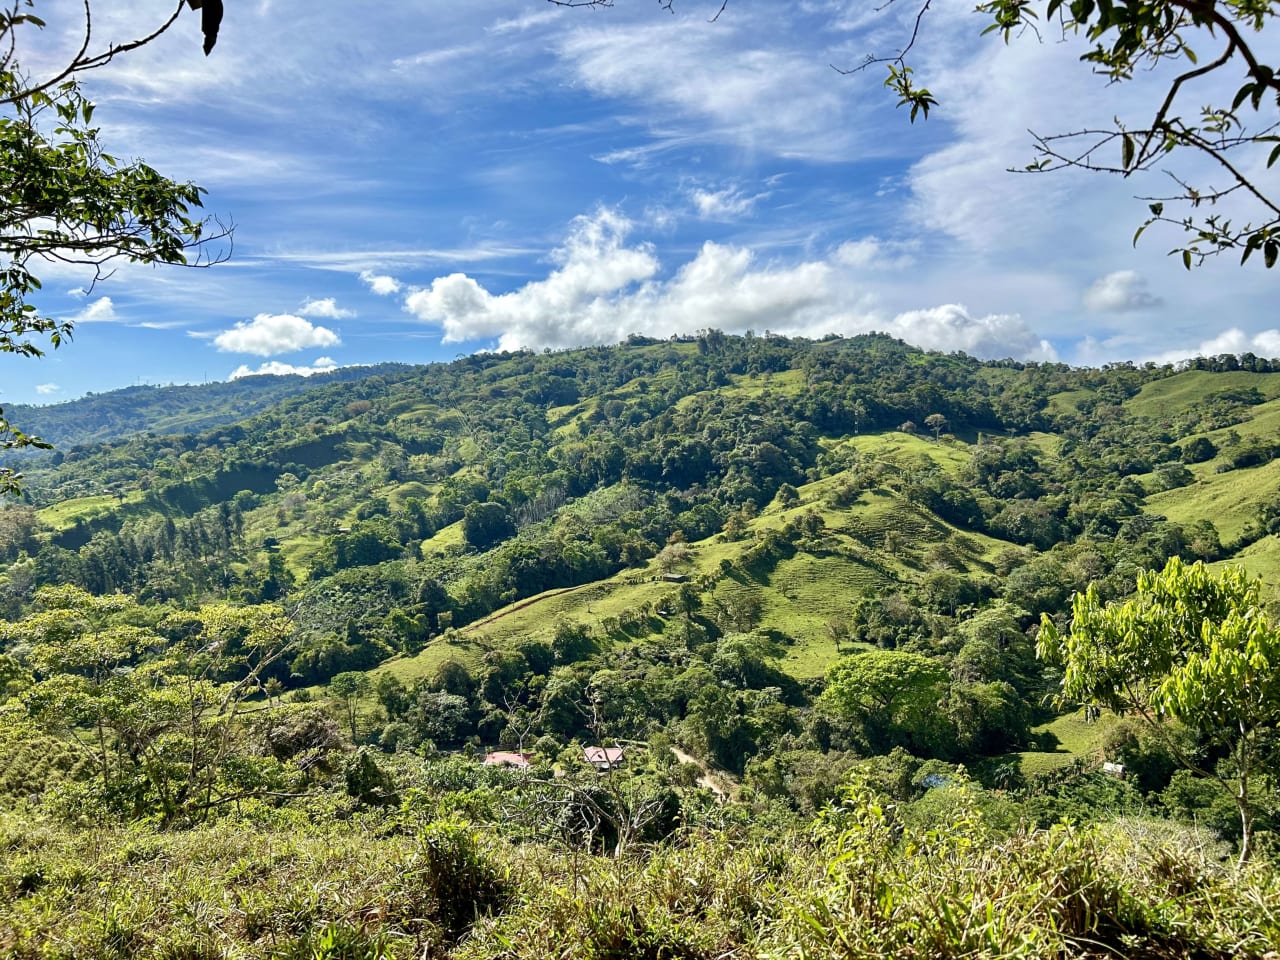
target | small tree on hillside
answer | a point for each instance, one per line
(1190, 646)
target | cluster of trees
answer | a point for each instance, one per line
(161, 705)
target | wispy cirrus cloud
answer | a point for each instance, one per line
(726, 204)
(683, 83)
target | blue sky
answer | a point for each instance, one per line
(411, 182)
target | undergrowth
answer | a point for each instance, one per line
(856, 885)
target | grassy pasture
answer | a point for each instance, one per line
(1172, 395)
(1230, 500)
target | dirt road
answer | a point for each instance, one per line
(705, 779)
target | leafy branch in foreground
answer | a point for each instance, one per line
(1127, 37)
(1193, 647)
(64, 198)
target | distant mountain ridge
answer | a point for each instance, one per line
(176, 408)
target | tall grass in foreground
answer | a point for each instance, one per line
(855, 886)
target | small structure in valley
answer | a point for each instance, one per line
(508, 758)
(603, 758)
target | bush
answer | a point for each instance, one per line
(454, 869)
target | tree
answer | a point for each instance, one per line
(887, 692)
(1190, 646)
(1127, 37)
(65, 198)
(485, 524)
(159, 715)
(937, 423)
(349, 686)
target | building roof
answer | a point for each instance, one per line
(609, 755)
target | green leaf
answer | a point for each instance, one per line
(1270, 250)
(1156, 209)
(1126, 151)
(1252, 245)
(1186, 259)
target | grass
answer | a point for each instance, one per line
(1172, 395)
(1078, 739)
(806, 593)
(1068, 401)
(425, 663)
(62, 516)
(797, 595)
(1230, 499)
(907, 450)
(402, 493)
(1261, 559)
(445, 539)
(300, 550)
(326, 880)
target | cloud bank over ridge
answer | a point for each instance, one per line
(604, 287)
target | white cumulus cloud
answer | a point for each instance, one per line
(101, 310)
(327, 308)
(268, 334)
(44, 389)
(950, 327)
(1265, 343)
(1123, 291)
(605, 288)
(380, 283)
(278, 369)
(577, 303)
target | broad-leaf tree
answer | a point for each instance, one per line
(159, 714)
(1190, 646)
(888, 693)
(64, 197)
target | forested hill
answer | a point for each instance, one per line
(799, 583)
(499, 476)
(178, 408)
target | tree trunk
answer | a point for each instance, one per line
(1244, 761)
(1246, 821)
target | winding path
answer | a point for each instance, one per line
(704, 779)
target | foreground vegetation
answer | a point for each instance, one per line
(856, 883)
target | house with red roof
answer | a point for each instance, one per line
(603, 758)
